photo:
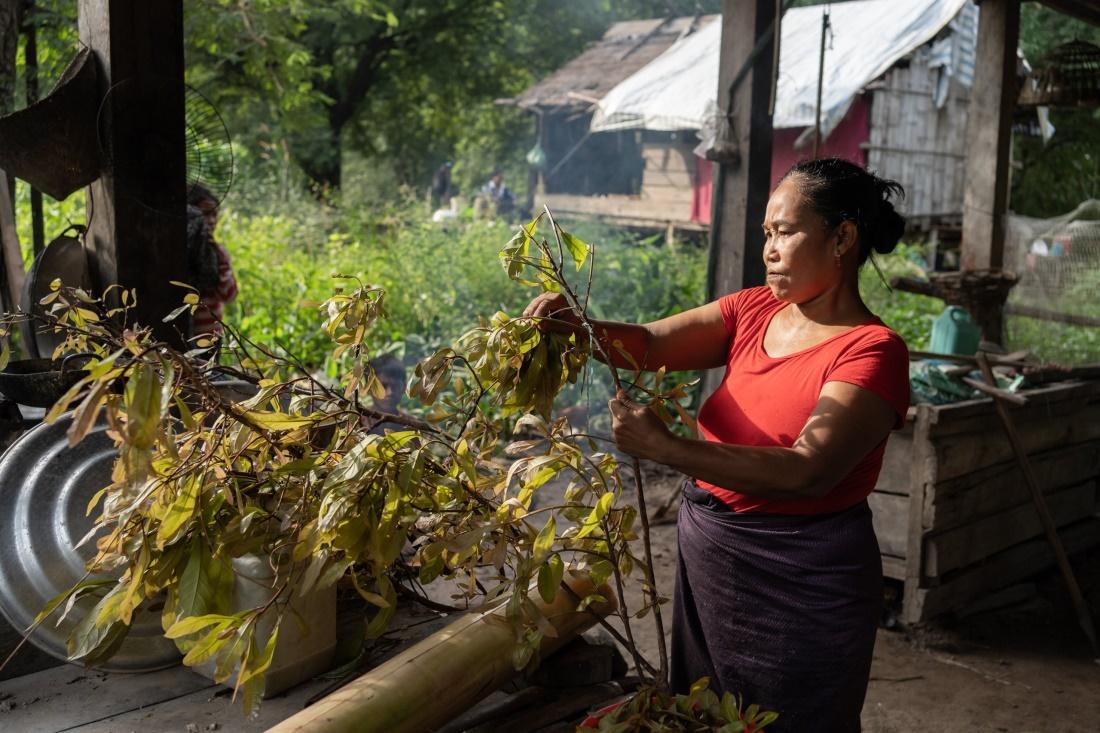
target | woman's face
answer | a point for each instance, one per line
(209, 209)
(799, 249)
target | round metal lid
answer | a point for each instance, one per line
(45, 487)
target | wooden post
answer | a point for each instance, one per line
(743, 185)
(989, 134)
(137, 209)
(10, 253)
(30, 30)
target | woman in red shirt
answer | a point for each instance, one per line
(779, 585)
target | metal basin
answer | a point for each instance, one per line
(45, 487)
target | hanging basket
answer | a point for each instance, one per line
(1068, 77)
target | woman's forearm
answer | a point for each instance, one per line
(616, 338)
(765, 472)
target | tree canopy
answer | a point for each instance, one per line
(305, 87)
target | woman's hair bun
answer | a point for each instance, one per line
(840, 190)
(891, 224)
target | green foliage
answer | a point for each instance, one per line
(909, 314)
(699, 710)
(441, 279)
(294, 474)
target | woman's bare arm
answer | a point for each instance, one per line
(847, 424)
(694, 339)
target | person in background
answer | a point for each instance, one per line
(499, 194)
(441, 186)
(214, 292)
(779, 578)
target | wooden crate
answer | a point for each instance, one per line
(952, 512)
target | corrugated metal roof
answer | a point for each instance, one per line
(624, 49)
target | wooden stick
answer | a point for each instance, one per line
(997, 392)
(1084, 617)
(1014, 359)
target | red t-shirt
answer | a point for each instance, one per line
(766, 401)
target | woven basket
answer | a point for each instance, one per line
(1068, 77)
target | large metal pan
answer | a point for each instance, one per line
(45, 487)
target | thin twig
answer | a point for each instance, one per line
(650, 580)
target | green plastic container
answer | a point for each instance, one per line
(954, 333)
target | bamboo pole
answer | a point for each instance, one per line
(441, 676)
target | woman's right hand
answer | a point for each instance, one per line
(555, 313)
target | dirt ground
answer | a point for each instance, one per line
(1025, 668)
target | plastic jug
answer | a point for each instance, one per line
(954, 333)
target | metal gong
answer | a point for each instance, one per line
(45, 487)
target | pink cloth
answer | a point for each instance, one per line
(207, 318)
(845, 142)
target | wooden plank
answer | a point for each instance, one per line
(1054, 400)
(680, 180)
(959, 547)
(998, 571)
(205, 708)
(29, 659)
(957, 455)
(989, 135)
(897, 462)
(619, 207)
(996, 488)
(893, 567)
(921, 476)
(69, 696)
(890, 516)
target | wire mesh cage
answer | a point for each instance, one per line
(1057, 261)
(1068, 77)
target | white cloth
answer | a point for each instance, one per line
(677, 90)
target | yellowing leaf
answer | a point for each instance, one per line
(544, 542)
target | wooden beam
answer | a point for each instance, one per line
(742, 186)
(137, 209)
(989, 134)
(11, 255)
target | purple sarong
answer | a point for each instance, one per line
(782, 609)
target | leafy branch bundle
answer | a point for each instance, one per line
(298, 474)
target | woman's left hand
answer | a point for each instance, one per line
(637, 429)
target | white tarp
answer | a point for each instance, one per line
(677, 90)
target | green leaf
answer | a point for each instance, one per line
(180, 510)
(381, 620)
(76, 590)
(550, 576)
(544, 542)
(261, 663)
(212, 642)
(578, 248)
(281, 421)
(603, 506)
(206, 583)
(197, 623)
